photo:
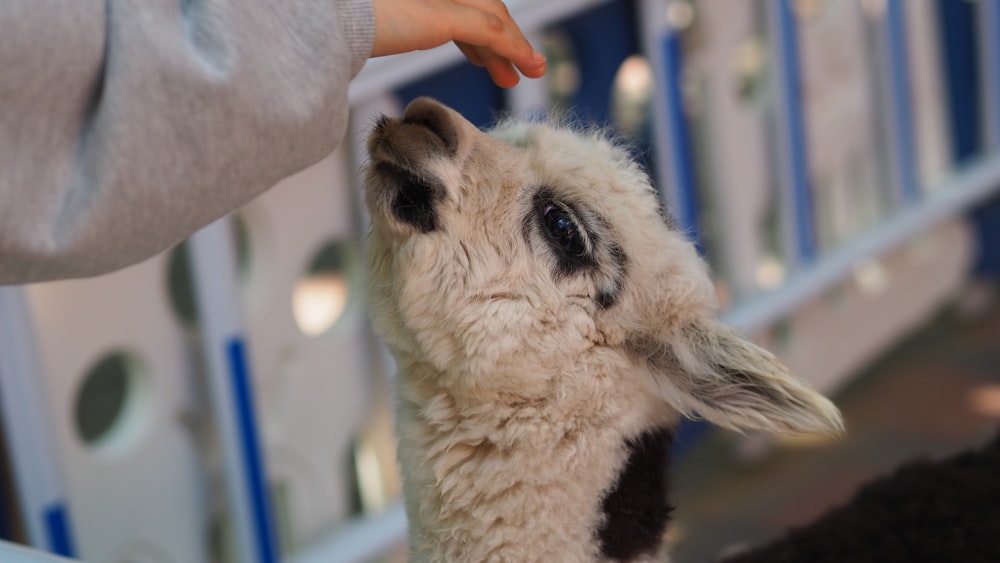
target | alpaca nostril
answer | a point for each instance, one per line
(435, 118)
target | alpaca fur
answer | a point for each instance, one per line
(550, 327)
(947, 510)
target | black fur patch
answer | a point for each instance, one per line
(636, 511)
(928, 510)
(415, 200)
(610, 277)
(608, 298)
(609, 295)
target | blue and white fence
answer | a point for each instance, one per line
(226, 401)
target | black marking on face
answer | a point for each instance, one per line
(415, 199)
(636, 510)
(608, 295)
(580, 241)
(607, 298)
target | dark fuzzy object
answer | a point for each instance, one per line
(930, 511)
(637, 510)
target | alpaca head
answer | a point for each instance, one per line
(535, 261)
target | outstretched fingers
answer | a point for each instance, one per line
(490, 37)
(483, 30)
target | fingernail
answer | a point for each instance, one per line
(538, 58)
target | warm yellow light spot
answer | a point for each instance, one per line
(985, 400)
(318, 301)
(770, 273)
(680, 14)
(635, 77)
(633, 90)
(871, 277)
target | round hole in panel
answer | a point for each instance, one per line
(321, 296)
(110, 402)
(180, 285)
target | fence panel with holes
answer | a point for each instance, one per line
(226, 401)
(123, 415)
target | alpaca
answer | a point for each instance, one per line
(550, 327)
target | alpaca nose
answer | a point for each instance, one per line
(436, 118)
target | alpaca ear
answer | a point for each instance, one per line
(707, 369)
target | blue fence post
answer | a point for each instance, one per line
(681, 164)
(986, 218)
(793, 153)
(213, 270)
(674, 160)
(901, 132)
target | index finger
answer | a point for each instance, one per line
(488, 25)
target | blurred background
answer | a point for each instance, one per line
(836, 161)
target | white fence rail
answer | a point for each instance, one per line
(248, 396)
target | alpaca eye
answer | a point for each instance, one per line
(563, 230)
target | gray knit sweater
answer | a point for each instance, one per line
(126, 125)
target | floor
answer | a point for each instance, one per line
(936, 393)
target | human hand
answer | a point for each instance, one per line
(482, 29)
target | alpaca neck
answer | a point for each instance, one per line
(507, 483)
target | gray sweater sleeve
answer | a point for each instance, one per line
(126, 125)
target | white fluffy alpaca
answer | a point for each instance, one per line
(550, 327)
